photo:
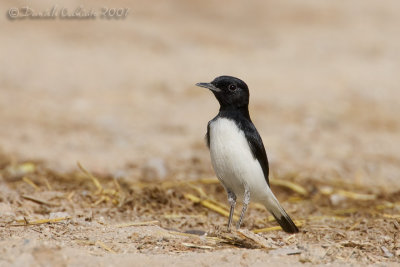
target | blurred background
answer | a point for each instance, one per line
(119, 94)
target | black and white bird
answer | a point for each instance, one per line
(237, 152)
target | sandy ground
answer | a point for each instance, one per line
(119, 97)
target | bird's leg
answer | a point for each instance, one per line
(232, 202)
(246, 200)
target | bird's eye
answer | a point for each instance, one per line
(232, 87)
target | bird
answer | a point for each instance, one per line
(237, 152)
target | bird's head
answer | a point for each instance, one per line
(230, 92)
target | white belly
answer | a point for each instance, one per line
(233, 160)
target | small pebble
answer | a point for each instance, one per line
(336, 199)
(386, 252)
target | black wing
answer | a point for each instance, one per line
(256, 146)
(207, 137)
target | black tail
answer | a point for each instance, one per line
(286, 223)
(280, 215)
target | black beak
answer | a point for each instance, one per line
(209, 86)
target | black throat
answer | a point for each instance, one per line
(235, 113)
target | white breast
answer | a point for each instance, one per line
(233, 160)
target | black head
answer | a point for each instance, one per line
(230, 92)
